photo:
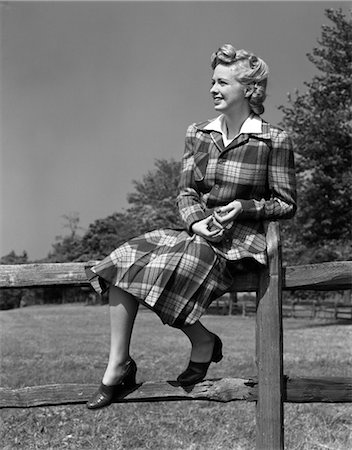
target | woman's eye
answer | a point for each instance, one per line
(220, 83)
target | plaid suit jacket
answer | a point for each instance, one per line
(255, 168)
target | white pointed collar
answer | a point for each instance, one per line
(253, 124)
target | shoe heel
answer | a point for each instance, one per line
(217, 351)
(130, 378)
(130, 381)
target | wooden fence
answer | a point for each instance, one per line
(269, 388)
(327, 310)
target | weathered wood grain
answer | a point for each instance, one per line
(223, 390)
(296, 390)
(269, 348)
(325, 390)
(43, 274)
(326, 276)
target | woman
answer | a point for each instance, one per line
(237, 171)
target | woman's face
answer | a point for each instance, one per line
(226, 91)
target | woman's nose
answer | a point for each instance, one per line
(213, 88)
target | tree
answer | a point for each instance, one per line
(104, 235)
(11, 298)
(67, 248)
(72, 223)
(12, 258)
(320, 123)
(153, 204)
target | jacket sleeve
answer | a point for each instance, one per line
(188, 199)
(281, 184)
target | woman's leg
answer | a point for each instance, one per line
(202, 341)
(206, 348)
(123, 310)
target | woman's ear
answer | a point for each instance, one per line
(248, 91)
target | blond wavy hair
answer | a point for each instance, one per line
(249, 70)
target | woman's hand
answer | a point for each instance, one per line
(209, 228)
(224, 215)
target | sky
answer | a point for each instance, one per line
(93, 93)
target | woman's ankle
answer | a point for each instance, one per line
(202, 349)
(114, 371)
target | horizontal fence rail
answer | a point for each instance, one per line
(325, 276)
(296, 390)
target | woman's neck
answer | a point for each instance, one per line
(235, 120)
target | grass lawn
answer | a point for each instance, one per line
(69, 344)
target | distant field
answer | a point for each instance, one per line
(69, 344)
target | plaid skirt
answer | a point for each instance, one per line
(175, 274)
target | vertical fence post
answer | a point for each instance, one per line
(269, 348)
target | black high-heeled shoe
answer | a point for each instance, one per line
(105, 395)
(197, 371)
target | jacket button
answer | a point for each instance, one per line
(216, 186)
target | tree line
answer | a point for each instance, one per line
(319, 121)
